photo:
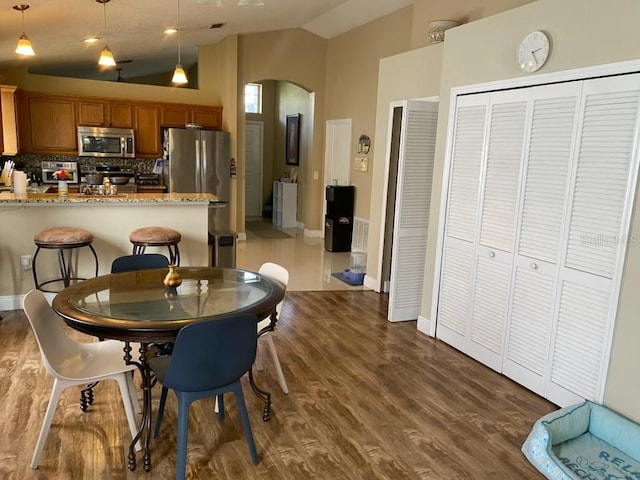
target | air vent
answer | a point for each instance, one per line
(217, 25)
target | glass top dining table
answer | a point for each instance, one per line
(138, 307)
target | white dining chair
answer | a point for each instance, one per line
(73, 363)
(281, 274)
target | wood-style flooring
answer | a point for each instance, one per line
(367, 400)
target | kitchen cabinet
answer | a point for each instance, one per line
(8, 121)
(208, 117)
(48, 121)
(104, 114)
(147, 131)
(49, 124)
(180, 115)
(177, 116)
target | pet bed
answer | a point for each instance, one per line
(585, 441)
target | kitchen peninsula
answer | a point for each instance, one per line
(109, 217)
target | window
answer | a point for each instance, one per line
(253, 98)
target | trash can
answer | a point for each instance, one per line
(223, 248)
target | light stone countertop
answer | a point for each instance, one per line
(124, 198)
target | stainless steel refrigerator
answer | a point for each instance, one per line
(197, 160)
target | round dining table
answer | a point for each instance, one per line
(138, 307)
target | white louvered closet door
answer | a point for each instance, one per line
(413, 202)
(544, 194)
(467, 149)
(602, 192)
(497, 219)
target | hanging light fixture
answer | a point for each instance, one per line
(179, 77)
(24, 44)
(106, 57)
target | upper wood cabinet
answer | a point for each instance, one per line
(208, 117)
(147, 131)
(49, 124)
(177, 116)
(180, 115)
(48, 121)
(104, 114)
(8, 121)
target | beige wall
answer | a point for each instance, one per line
(110, 225)
(291, 99)
(462, 11)
(484, 51)
(412, 75)
(298, 57)
(352, 83)
(267, 118)
(207, 94)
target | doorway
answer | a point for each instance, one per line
(410, 159)
(253, 141)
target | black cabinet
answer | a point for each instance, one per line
(338, 222)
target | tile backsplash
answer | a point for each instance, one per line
(31, 163)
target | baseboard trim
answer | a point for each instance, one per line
(372, 283)
(312, 233)
(14, 302)
(242, 236)
(424, 325)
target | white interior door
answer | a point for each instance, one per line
(253, 159)
(411, 218)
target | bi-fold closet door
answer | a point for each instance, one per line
(540, 189)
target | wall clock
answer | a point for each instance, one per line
(533, 51)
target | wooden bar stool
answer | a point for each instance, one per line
(157, 237)
(65, 240)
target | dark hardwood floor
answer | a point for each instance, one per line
(367, 400)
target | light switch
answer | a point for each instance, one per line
(316, 175)
(361, 164)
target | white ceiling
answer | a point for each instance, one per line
(134, 29)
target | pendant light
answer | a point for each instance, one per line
(24, 44)
(106, 57)
(179, 77)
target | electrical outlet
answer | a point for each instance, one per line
(25, 261)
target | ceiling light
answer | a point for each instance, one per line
(106, 57)
(250, 3)
(179, 77)
(24, 46)
(170, 31)
(91, 40)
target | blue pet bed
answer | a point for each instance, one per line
(585, 441)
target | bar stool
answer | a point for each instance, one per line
(157, 237)
(65, 240)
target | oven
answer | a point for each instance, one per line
(49, 169)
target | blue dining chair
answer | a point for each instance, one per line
(208, 359)
(132, 263)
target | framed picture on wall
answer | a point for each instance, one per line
(292, 147)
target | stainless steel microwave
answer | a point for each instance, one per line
(106, 142)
